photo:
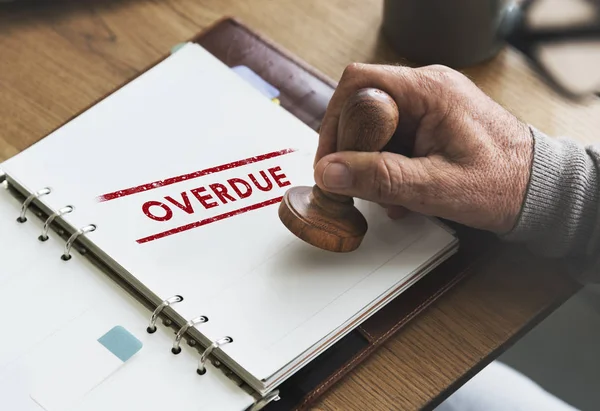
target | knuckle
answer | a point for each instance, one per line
(352, 70)
(430, 84)
(441, 69)
(445, 86)
(395, 71)
(443, 77)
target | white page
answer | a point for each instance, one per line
(294, 299)
(50, 358)
(192, 113)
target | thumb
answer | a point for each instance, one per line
(386, 178)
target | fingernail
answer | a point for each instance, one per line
(337, 175)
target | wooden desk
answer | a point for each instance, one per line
(58, 57)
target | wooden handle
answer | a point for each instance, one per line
(368, 121)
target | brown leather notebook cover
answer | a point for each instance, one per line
(306, 93)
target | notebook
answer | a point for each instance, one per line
(79, 341)
(172, 182)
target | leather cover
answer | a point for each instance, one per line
(306, 93)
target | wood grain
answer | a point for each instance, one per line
(322, 220)
(368, 121)
(57, 57)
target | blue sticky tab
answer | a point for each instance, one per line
(261, 85)
(121, 343)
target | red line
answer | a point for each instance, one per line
(196, 174)
(209, 220)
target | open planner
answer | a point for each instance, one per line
(169, 188)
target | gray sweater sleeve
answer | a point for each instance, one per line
(560, 216)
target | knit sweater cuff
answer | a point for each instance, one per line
(559, 211)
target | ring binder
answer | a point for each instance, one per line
(61, 212)
(263, 402)
(198, 320)
(201, 369)
(28, 200)
(171, 300)
(82, 231)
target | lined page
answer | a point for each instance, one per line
(56, 312)
(182, 170)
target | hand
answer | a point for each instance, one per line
(470, 160)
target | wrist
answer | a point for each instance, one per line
(518, 174)
(560, 201)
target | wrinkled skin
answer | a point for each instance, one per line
(471, 158)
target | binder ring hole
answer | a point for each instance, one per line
(44, 191)
(165, 303)
(82, 231)
(201, 370)
(50, 219)
(176, 349)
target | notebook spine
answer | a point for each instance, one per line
(176, 348)
(22, 218)
(66, 256)
(201, 368)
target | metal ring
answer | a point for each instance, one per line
(176, 349)
(87, 229)
(201, 369)
(171, 300)
(28, 200)
(263, 402)
(49, 220)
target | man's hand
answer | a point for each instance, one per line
(471, 158)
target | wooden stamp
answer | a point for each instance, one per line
(330, 221)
